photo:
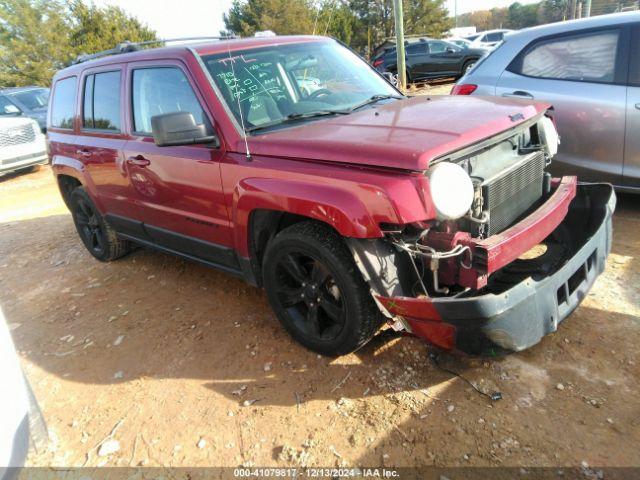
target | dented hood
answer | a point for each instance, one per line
(405, 134)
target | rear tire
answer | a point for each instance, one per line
(317, 291)
(94, 231)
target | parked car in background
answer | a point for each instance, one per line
(589, 70)
(22, 144)
(429, 58)
(352, 206)
(30, 101)
(461, 42)
(487, 39)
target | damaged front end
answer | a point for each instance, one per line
(510, 270)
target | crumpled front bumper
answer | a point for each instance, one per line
(520, 316)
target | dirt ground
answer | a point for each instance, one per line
(186, 366)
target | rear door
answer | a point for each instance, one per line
(631, 168)
(583, 75)
(101, 140)
(178, 189)
(418, 61)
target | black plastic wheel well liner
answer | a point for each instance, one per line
(67, 184)
(263, 226)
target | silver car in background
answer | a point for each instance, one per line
(589, 70)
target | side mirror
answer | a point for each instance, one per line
(388, 76)
(179, 128)
(451, 50)
(11, 109)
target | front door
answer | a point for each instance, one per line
(583, 76)
(631, 170)
(446, 58)
(178, 189)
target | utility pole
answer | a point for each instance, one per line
(455, 11)
(587, 8)
(399, 20)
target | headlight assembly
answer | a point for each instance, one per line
(451, 190)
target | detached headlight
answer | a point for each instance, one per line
(550, 138)
(451, 190)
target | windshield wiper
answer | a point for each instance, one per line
(292, 117)
(373, 99)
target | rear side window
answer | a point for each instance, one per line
(162, 90)
(416, 48)
(585, 57)
(494, 37)
(101, 103)
(63, 105)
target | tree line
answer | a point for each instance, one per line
(361, 24)
(518, 16)
(38, 37)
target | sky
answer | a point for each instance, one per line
(188, 18)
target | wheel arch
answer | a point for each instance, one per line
(264, 207)
(66, 185)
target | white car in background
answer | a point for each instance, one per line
(22, 144)
(21, 422)
(488, 39)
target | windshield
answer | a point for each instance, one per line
(274, 84)
(33, 99)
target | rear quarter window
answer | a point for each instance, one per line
(63, 105)
(586, 57)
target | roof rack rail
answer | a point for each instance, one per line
(126, 47)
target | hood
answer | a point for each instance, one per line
(405, 134)
(17, 121)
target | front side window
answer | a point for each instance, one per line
(585, 57)
(162, 90)
(416, 48)
(437, 47)
(269, 85)
(64, 103)
(101, 103)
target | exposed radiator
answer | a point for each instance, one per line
(508, 196)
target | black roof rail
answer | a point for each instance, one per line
(126, 47)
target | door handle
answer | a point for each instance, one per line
(83, 152)
(138, 161)
(518, 94)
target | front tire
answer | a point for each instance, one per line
(317, 291)
(94, 231)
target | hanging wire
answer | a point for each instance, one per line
(237, 94)
(333, 6)
(315, 22)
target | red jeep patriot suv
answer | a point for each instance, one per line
(290, 162)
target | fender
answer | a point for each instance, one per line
(340, 208)
(63, 165)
